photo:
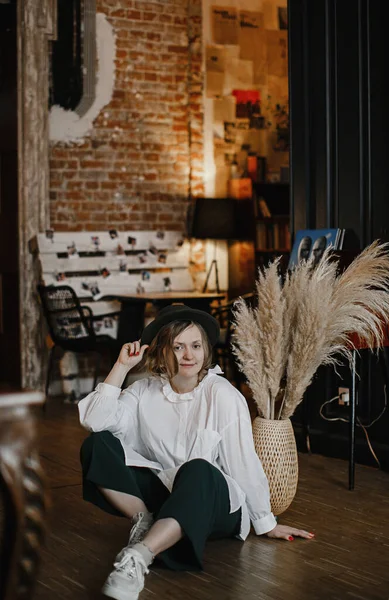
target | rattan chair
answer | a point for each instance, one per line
(71, 327)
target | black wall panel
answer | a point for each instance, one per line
(340, 170)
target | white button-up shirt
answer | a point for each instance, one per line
(161, 429)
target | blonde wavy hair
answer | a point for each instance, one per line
(160, 357)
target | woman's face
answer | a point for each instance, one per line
(188, 348)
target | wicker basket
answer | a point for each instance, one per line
(275, 445)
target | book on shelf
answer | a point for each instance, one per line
(275, 196)
(273, 236)
(261, 236)
(263, 208)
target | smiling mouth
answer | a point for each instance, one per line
(187, 365)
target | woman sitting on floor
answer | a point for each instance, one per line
(173, 452)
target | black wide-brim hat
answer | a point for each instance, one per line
(181, 312)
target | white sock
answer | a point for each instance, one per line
(145, 552)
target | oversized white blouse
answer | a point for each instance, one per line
(161, 429)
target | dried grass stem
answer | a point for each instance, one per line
(307, 322)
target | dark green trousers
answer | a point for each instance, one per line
(199, 500)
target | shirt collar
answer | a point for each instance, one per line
(173, 396)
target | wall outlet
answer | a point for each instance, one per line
(344, 396)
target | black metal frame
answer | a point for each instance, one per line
(222, 349)
(89, 343)
(384, 359)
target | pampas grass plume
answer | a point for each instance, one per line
(307, 322)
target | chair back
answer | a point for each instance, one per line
(224, 315)
(67, 320)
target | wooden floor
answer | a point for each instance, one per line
(348, 559)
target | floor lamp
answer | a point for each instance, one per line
(213, 219)
(213, 264)
(221, 219)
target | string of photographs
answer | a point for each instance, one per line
(113, 241)
(109, 263)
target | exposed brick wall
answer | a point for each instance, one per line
(144, 156)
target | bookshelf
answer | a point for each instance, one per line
(272, 220)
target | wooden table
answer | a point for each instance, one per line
(23, 495)
(132, 316)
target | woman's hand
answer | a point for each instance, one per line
(285, 532)
(131, 354)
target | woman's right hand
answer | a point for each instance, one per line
(131, 354)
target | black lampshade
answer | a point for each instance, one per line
(222, 219)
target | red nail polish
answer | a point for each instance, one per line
(290, 538)
(137, 353)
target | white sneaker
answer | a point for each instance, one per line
(127, 579)
(142, 523)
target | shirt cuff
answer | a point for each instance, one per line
(106, 389)
(265, 524)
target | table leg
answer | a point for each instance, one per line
(131, 321)
(352, 424)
